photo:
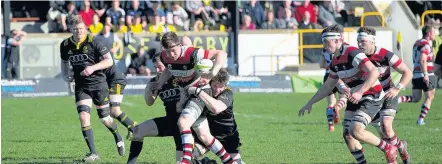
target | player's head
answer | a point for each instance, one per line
(429, 32)
(332, 38)
(186, 41)
(219, 82)
(78, 27)
(366, 39)
(171, 43)
(159, 66)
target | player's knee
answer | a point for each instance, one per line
(346, 135)
(199, 150)
(83, 108)
(104, 115)
(357, 129)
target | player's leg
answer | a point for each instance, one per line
(116, 98)
(342, 102)
(387, 114)
(202, 130)
(416, 95)
(84, 104)
(101, 101)
(329, 111)
(353, 145)
(367, 109)
(429, 91)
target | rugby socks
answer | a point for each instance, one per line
(216, 147)
(342, 103)
(135, 150)
(359, 156)
(424, 111)
(126, 121)
(384, 146)
(405, 99)
(113, 129)
(88, 135)
(187, 140)
(329, 113)
(393, 141)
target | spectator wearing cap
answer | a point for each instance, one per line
(139, 63)
(96, 27)
(87, 13)
(115, 14)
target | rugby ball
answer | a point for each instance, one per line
(204, 66)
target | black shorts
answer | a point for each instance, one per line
(365, 111)
(167, 127)
(231, 143)
(99, 95)
(419, 83)
(335, 89)
(116, 88)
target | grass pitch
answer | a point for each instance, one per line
(47, 130)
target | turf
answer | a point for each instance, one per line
(47, 130)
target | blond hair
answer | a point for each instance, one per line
(76, 19)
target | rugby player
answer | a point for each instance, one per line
(352, 66)
(180, 62)
(89, 58)
(220, 116)
(423, 73)
(383, 59)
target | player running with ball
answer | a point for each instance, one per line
(353, 67)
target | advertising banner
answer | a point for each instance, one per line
(34, 88)
(261, 84)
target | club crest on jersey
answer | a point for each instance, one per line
(344, 67)
(84, 49)
(169, 66)
(336, 67)
(185, 67)
(174, 83)
(70, 52)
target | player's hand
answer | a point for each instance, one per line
(89, 70)
(68, 78)
(427, 80)
(203, 81)
(345, 90)
(392, 93)
(355, 97)
(193, 91)
(307, 107)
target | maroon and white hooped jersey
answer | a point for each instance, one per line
(422, 46)
(183, 68)
(383, 59)
(347, 68)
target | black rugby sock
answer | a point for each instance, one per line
(126, 121)
(88, 135)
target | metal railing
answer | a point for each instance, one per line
(429, 12)
(374, 13)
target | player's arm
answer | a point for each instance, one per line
(164, 77)
(325, 89)
(106, 60)
(64, 63)
(423, 59)
(149, 94)
(396, 63)
(322, 62)
(364, 64)
(220, 57)
(217, 105)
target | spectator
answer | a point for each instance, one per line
(199, 25)
(96, 26)
(255, 11)
(115, 14)
(301, 10)
(67, 16)
(12, 53)
(437, 41)
(138, 65)
(54, 16)
(87, 13)
(221, 13)
(120, 27)
(288, 21)
(179, 24)
(157, 27)
(156, 11)
(135, 24)
(110, 40)
(305, 23)
(326, 14)
(99, 6)
(247, 23)
(286, 8)
(135, 11)
(271, 23)
(179, 15)
(196, 10)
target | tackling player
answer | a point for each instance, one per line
(423, 73)
(180, 62)
(89, 58)
(383, 60)
(220, 117)
(352, 66)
